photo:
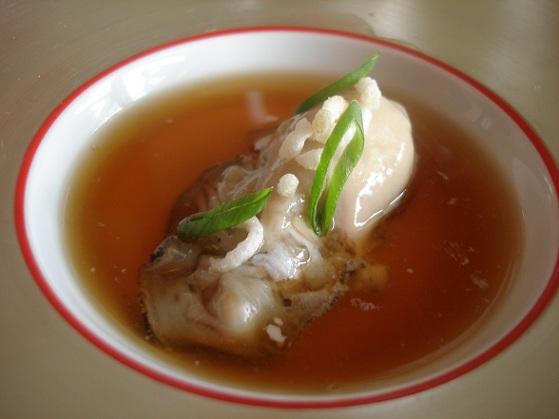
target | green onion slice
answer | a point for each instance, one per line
(338, 86)
(224, 216)
(322, 209)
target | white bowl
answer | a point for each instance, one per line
(68, 132)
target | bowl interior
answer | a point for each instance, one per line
(70, 131)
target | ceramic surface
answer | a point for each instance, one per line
(69, 132)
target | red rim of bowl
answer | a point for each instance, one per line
(543, 300)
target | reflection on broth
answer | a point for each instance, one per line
(438, 260)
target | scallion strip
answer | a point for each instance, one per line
(321, 219)
(339, 85)
(224, 216)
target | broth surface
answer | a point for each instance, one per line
(449, 247)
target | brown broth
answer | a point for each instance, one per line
(449, 248)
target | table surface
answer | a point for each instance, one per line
(48, 48)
